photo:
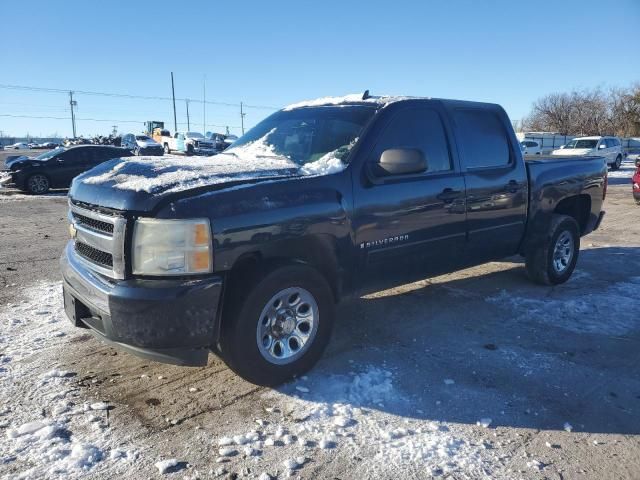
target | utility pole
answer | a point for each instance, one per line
(186, 100)
(72, 104)
(173, 95)
(204, 105)
(242, 114)
(115, 130)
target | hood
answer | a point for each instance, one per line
(18, 161)
(573, 152)
(141, 184)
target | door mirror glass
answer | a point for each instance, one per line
(401, 161)
(602, 145)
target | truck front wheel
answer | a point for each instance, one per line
(280, 327)
(553, 262)
(167, 151)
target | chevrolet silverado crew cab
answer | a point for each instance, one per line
(246, 253)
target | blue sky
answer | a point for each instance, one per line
(278, 52)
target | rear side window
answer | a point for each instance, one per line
(419, 128)
(483, 138)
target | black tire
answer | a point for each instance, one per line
(541, 261)
(167, 150)
(239, 339)
(37, 184)
(136, 151)
(616, 165)
(189, 150)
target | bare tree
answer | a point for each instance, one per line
(588, 112)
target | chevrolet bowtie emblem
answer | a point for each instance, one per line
(72, 231)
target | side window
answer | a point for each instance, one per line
(483, 138)
(419, 128)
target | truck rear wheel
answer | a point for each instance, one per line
(280, 327)
(553, 262)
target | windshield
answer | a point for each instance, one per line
(581, 144)
(194, 135)
(50, 153)
(142, 137)
(305, 135)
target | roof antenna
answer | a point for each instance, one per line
(365, 95)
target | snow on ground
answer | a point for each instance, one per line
(45, 426)
(577, 311)
(626, 170)
(346, 415)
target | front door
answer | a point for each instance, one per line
(410, 226)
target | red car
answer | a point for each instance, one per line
(636, 183)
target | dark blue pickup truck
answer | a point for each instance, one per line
(246, 253)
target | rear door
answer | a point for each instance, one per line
(496, 182)
(410, 225)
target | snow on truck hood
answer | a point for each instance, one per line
(156, 175)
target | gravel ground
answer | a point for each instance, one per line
(477, 374)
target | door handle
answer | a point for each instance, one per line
(512, 186)
(448, 195)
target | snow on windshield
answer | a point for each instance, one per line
(253, 160)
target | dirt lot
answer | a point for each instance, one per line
(477, 374)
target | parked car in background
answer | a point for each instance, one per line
(190, 143)
(530, 147)
(17, 146)
(220, 140)
(141, 145)
(49, 145)
(247, 256)
(608, 147)
(55, 168)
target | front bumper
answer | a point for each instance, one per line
(151, 151)
(169, 321)
(204, 151)
(6, 180)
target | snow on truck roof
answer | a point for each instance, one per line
(353, 98)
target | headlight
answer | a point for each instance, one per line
(172, 247)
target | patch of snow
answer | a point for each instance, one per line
(227, 451)
(164, 466)
(605, 312)
(484, 422)
(99, 406)
(341, 414)
(567, 427)
(49, 430)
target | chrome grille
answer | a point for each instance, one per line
(97, 256)
(93, 224)
(99, 240)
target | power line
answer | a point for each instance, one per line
(126, 95)
(43, 117)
